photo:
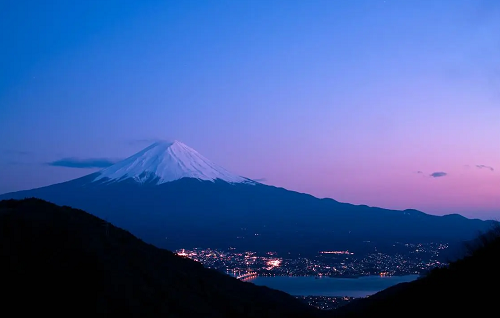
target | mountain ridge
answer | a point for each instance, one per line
(219, 214)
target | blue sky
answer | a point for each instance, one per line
(342, 99)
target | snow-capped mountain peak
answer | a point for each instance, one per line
(166, 161)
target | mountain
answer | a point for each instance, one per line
(170, 195)
(165, 162)
(65, 262)
(466, 288)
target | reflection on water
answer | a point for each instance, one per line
(328, 286)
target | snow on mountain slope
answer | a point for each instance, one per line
(165, 162)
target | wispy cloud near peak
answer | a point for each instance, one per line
(84, 163)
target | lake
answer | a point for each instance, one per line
(328, 286)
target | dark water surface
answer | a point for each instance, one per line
(327, 286)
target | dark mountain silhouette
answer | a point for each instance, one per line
(466, 288)
(192, 213)
(170, 195)
(62, 261)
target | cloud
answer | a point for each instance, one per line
(485, 167)
(83, 163)
(438, 174)
(419, 172)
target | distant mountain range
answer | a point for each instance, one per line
(170, 195)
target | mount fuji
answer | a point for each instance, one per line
(173, 197)
(165, 162)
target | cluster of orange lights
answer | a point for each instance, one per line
(274, 263)
(183, 253)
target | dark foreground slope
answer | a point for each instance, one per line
(59, 260)
(467, 288)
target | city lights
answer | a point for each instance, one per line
(247, 265)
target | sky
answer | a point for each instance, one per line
(392, 103)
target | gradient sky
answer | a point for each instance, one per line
(386, 103)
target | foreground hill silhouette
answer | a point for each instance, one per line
(466, 288)
(59, 260)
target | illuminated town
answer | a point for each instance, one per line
(418, 259)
